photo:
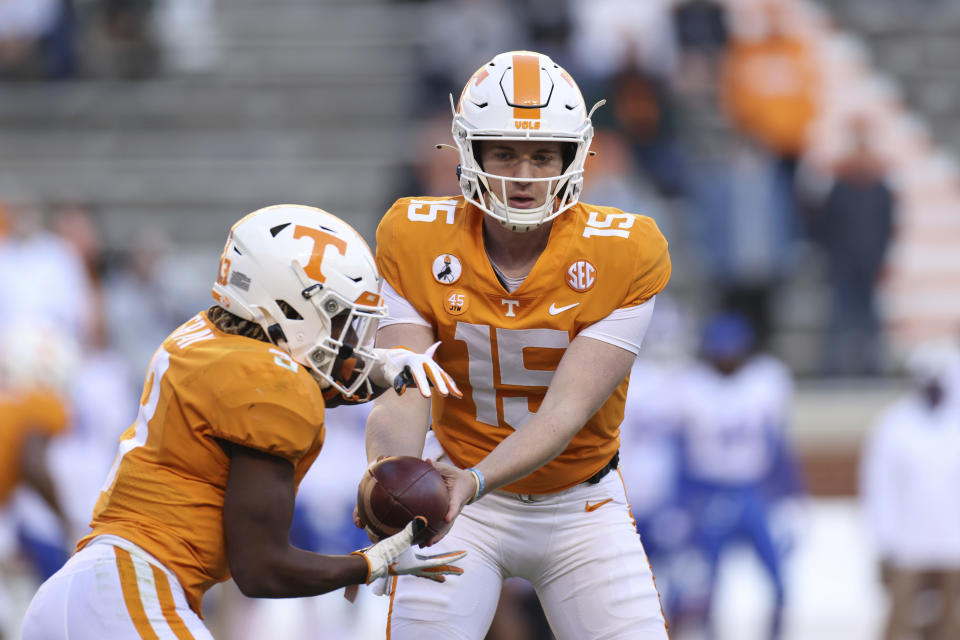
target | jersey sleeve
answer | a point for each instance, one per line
(652, 270)
(265, 405)
(387, 245)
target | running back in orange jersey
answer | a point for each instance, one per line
(165, 490)
(501, 347)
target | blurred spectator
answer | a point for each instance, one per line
(853, 223)
(122, 42)
(4, 220)
(76, 225)
(610, 35)
(745, 231)
(36, 39)
(701, 33)
(142, 304)
(642, 112)
(456, 37)
(769, 83)
(433, 171)
(624, 51)
(187, 34)
(738, 476)
(701, 26)
(911, 463)
(549, 25)
(42, 277)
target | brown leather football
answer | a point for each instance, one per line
(396, 489)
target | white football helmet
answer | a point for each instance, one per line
(309, 279)
(522, 95)
(36, 355)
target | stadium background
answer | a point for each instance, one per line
(140, 130)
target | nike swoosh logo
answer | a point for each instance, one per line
(593, 507)
(554, 309)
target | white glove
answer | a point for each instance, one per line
(401, 368)
(394, 556)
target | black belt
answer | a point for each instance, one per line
(607, 468)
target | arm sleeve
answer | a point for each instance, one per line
(624, 328)
(400, 311)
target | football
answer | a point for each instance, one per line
(396, 489)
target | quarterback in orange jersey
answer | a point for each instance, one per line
(540, 304)
(231, 418)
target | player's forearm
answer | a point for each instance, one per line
(541, 439)
(397, 427)
(588, 374)
(294, 573)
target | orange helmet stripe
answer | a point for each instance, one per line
(526, 85)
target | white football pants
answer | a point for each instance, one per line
(112, 589)
(579, 548)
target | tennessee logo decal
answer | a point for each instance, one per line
(456, 302)
(446, 268)
(581, 276)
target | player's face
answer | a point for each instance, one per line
(520, 160)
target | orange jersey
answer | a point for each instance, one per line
(166, 488)
(503, 348)
(22, 415)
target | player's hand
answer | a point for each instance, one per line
(462, 485)
(394, 556)
(402, 368)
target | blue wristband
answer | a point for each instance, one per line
(480, 482)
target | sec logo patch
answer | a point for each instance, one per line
(581, 276)
(446, 268)
(456, 302)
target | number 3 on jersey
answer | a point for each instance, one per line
(485, 345)
(148, 404)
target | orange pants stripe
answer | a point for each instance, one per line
(131, 594)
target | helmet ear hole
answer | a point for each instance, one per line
(288, 310)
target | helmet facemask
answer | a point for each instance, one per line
(344, 356)
(488, 191)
